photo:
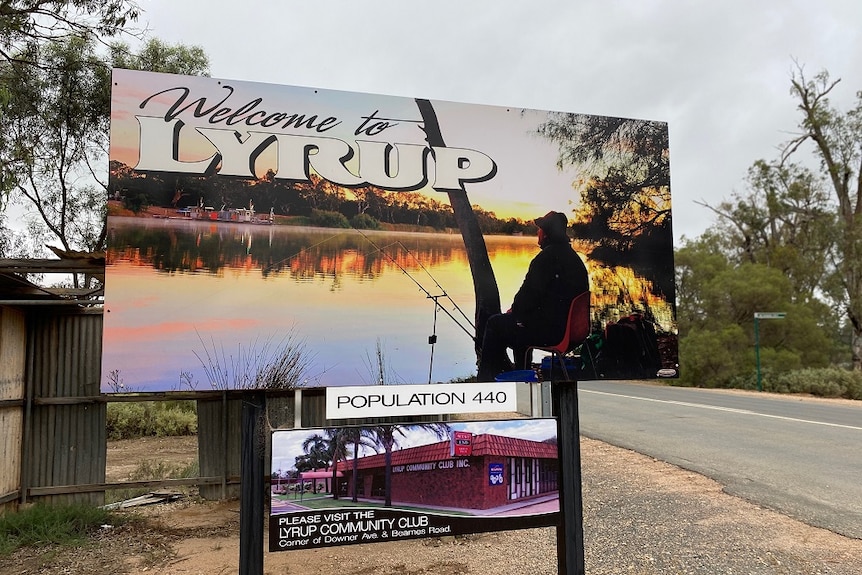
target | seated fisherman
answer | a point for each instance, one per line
(541, 307)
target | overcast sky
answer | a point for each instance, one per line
(718, 72)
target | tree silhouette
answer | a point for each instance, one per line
(484, 282)
(625, 208)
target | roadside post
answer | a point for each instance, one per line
(570, 532)
(759, 315)
(251, 515)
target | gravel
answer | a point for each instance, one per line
(641, 517)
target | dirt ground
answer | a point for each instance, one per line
(641, 516)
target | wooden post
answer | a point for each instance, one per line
(252, 485)
(570, 532)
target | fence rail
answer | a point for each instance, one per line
(54, 442)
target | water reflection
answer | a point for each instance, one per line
(173, 282)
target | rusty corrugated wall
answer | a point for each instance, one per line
(64, 444)
(13, 328)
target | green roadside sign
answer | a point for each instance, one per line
(769, 315)
(762, 315)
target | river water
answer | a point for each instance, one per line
(188, 299)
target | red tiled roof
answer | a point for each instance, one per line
(487, 444)
(484, 444)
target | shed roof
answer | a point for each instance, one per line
(17, 290)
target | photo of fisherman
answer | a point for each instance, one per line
(540, 308)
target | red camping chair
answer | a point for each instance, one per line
(577, 330)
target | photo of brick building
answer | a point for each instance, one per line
(498, 471)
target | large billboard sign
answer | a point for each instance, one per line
(403, 481)
(264, 235)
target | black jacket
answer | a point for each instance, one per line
(555, 276)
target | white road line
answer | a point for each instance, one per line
(719, 408)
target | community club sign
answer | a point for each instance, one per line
(402, 481)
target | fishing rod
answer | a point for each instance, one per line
(424, 269)
(432, 339)
(428, 294)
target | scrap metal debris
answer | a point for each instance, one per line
(148, 499)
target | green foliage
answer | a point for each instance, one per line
(790, 242)
(152, 470)
(160, 56)
(784, 220)
(45, 524)
(717, 303)
(712, 357)
(151, 418)
(54, 119)
(26, 25)
(55, 97)
(137, 202)
(364, 222)
(327, 219)
(828, 382)
(837, 143)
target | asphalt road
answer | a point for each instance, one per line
(799, 456)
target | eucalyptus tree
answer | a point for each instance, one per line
(26, 27)
(26, 23)
(53, 152)
(837, 144)
(717, 300)
(782, 219)
(55, 127)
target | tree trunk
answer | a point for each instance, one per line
(484, 283)
(856, 348)
(387, 486)
(355, 497)
(335, 479)
(839, 162)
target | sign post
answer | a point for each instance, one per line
(759, 315)
(570, 532)
(251, 494)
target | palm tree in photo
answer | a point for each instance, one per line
(331, 447)
(358, 436)
(386, 437)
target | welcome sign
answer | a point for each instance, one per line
(268, 236)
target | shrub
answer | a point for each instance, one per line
(325, 219)
(137, 203)
(364, 222)
(151, 470)
(151, 418)
(46, 524)
(826, 382)
(712, 358)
